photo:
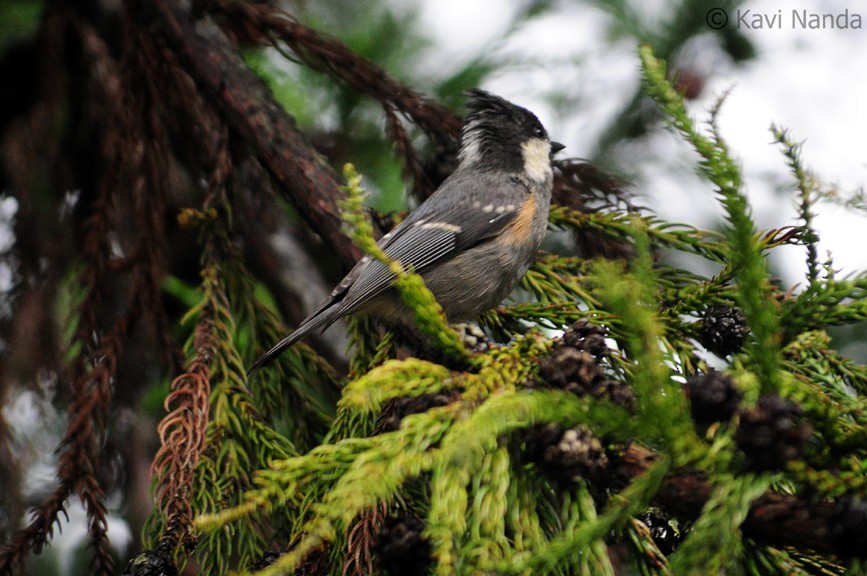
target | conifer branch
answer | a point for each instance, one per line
(754, 288)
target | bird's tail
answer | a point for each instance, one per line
(319, 320)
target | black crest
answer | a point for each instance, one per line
(494, 129)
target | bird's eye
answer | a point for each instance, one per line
(539, 132)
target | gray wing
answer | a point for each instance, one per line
(463, 215)
(429, 237)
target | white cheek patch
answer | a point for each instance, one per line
(537, 159)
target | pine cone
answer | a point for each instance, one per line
(566, 454)
(583, 335)
(770, 435)
(574, 365)
(474, 338)
(572, 370)
(713, 397)
(723, 330)
(154, 562)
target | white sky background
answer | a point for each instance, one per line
(812, 82)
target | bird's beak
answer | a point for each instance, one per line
(556, 147)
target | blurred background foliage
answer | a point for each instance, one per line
(345, 127)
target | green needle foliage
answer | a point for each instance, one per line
(537, 454)
(744, 254)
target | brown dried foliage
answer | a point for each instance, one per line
(249, 110)
(360, 541)
(261, 21)
(78, 465)
(183, 430)
(182, 436)
(103, 326)
(94, 370)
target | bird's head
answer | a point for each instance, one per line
(500, 135)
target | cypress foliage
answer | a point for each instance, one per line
(486, 480)
(619, 415)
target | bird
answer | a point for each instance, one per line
(472, 240)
